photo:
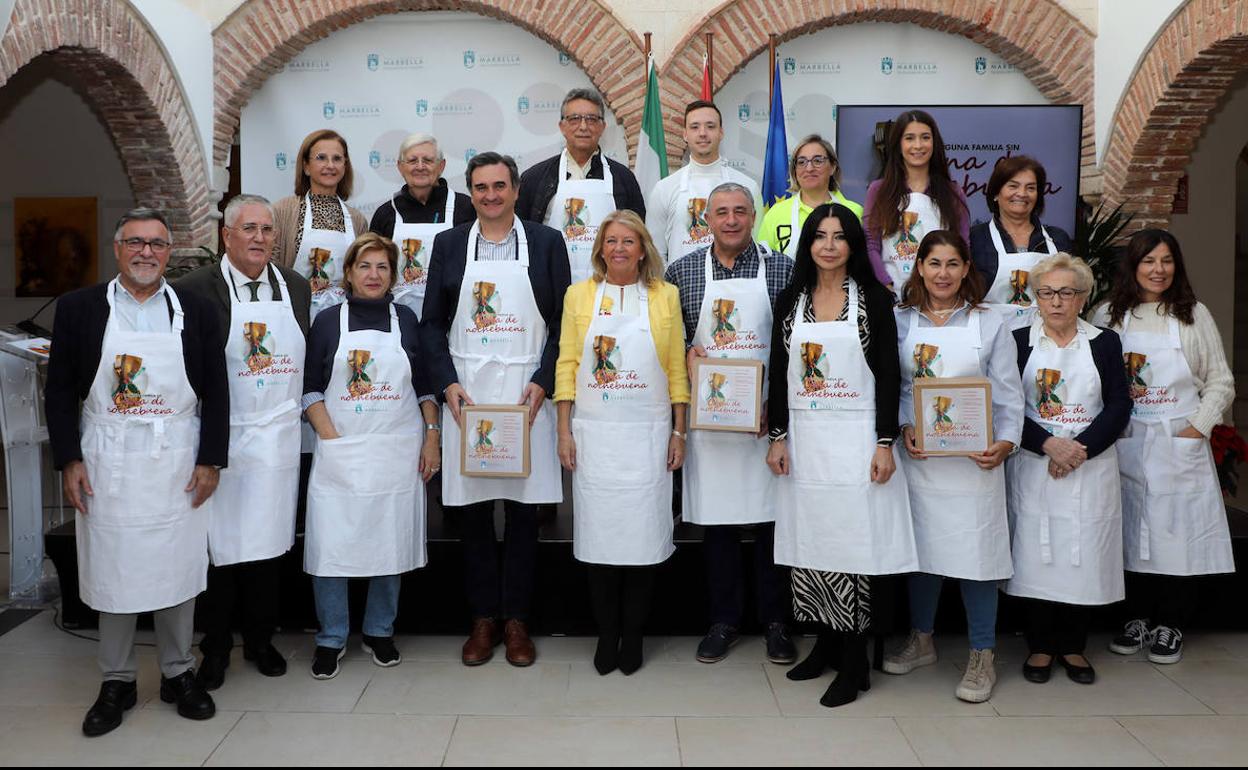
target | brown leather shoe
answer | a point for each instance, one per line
(520, 649)
(481, 642)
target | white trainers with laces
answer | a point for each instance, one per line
(919, 650)
(979, 679)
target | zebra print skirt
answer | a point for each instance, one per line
(836, 599)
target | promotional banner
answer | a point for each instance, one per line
(477, 84)
(876, 63)
(975, 137)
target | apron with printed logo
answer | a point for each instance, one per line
(1011, 293)
(687, 227)
(899, 250)
(320, 258)
(415, 242)
(577, 210)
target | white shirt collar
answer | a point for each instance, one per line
(239, 278)
(160, 290)
(1083, 329)
(573, 165)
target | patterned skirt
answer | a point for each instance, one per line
(836, 599)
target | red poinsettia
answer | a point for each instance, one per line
(1229, 450)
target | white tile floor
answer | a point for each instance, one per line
(432, 711)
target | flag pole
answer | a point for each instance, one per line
(771, 73)
(710, 58)
(647, 53)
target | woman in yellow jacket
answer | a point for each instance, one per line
(623, 391)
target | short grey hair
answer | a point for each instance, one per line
(236, 205)
(723, 188)
(1084, 280)
(492, 159)
(142, 214)
(589, 95)
(415, 140)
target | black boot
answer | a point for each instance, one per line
(853, 676)
(638, 585)
(826, 654)
(604, 596)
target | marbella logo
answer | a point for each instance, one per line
(995, 67)
(470, 59)
(422, 108)
(888, 66)
(743, 112)
(453, 108)
(374, 61)
(981, 65)
(564, 59)
(473, 59)
(522, 105)
(307, 65)
(349, 111)
(328, 110)
(374, 159)
(280, 161)
(790, 65)
(469, 154)
(819, 68)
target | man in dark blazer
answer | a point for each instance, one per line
(497, 238)
(141, 531)
(246, 548)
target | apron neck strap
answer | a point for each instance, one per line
(522, 241)
(642, 298)
(851, 299)
(177, 318)
(348, 226)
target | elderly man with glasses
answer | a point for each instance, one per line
(262, 313)
(146, 363)
(575, 189)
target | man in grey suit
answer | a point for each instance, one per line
(263, 310)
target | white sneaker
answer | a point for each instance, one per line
(977, 683)
(919, 650)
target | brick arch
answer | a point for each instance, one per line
(1177, 85)
(262, 35)
(1040, 37)
(115, 61)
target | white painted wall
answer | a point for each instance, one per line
(1208, 233)
(1131, 26)
(187, 40)
(71, 155)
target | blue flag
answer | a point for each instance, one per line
(776, 161)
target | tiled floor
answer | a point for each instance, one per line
(743, 711)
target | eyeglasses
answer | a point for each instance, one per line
(135, 245)
(1066, 294)
(321, 157)
(576, 120)
(818, 161)
(251, 229)
(418, 162)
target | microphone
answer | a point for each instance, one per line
(33, 329)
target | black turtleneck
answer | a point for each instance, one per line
(362, 314)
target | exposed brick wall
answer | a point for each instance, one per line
(1044, 40)
(1170, 99)
(115, 61)
(262, 35)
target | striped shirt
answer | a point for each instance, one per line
(689, 276)
(492, 251)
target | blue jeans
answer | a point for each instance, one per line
(331, 608)
(978, 596)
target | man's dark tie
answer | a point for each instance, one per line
(255, 290)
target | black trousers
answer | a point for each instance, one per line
(492, 594)
(251, 589)
(620, 597)
(1056, 628)
(725, 575)
(1165, 600)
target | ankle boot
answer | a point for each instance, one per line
(826, 654)
(607, 654)
(853, 676)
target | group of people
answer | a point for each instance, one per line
(326, 361)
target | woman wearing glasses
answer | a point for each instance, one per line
(1173, 517)
(815, 178)
(315, 226)
(1064, 500)
(423, 207)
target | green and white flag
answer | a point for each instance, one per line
(651, 163)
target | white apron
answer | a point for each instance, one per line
(141, 546)
(726, 479)
(622, 423)
(1173, 515)
(693, 231)
(415, 241)
(252, 513)
(320, 258)
(960, 523)
(1066, 533)
(366, 500)
(898, 250)
(795, 227)
(831, 516)
(577, 210)
(1011, 293)
(496, 342)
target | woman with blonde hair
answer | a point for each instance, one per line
(1064, 500)
(814, 178)
(622, 393)
(363, 381)
(315, 226)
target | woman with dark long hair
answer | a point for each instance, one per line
(913, 196)
(843, 512)
(1173, 518)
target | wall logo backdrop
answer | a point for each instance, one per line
(476, 84)
(861, 64)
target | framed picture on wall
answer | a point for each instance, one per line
(56, 245)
